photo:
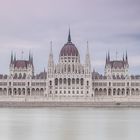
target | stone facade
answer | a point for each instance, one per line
(69, 78)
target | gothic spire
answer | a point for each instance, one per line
(29, 56)
(50, 62)
(87, 48)
(15, 57)
(106, 59)
(32, 59)
(11, 57)
(87, 55)
(14, 62)
(69, 36)
(51, 47)
(87, 59)
(123, 57)
(108, 56)
(126, 57)
(51, 55)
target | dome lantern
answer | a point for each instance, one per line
(69, 49)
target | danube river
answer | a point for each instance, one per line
(69, 123)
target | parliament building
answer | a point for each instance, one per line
(69, 78)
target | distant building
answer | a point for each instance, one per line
(69, 77)
(116, 68)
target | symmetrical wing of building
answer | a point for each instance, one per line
(69, 77)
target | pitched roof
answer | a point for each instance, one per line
(117, 64)
(21, 63)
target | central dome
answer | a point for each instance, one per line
(69, 49)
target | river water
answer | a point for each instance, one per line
(69, 123)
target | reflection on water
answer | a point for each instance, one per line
(69, 124)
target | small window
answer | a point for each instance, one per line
(9, 83)
(50, 83)
(87, 83)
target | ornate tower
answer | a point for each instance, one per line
(21, 69)
(87, 62)
(88, 75)
(116, 68)
(50, 75)
(50, 63)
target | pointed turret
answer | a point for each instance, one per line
(94, 70)
(32, 61)
(11, 57)
(29, 56)
(69, 36)
(126, 58)
(14, 62)
(51, 48)
(15, 57)
(50, 61)
(44, 75)
(106, 59)
(123, 57)
(108, 56)
(87, 60)
(87, 54)
(51, 53)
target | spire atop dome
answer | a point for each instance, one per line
(69, 49)
(69, 36)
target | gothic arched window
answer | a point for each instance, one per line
(73, 67)
(69, 81)
(56, 81)
(82, 81)
(68, 68)
(87, 83)
(60, 81)
(73, 81)
(77, 81)
(20, 76)
(65, 81)
(50, 83)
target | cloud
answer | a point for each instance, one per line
(107, 25)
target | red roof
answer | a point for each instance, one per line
(117, 64)
(21, 63)
(69, 49)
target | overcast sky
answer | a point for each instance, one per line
(112, 25)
